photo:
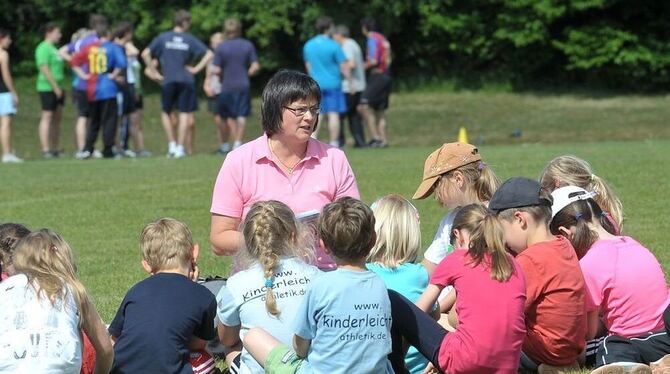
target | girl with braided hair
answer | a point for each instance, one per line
(10, 234)
(269, 290)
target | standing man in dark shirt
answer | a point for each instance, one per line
(175, 50)
(235, 61)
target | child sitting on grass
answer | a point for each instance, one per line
(343, 324)
(43, 309)
(491, 295)
(269, 291)
(555, 309)
(393, 255)
(164, 316)
(615, 269)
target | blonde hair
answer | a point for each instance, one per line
(47, 260)
(486, 236)
(480, 181)
(232, 28)
(398, 232)
(216, 37)
(270, 231)
(573, 171)
(166, 244)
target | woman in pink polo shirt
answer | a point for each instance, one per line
(284, 164)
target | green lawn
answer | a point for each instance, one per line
(100, 206)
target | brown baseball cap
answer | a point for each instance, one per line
(446, 158)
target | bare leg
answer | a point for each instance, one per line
(259, 344)
(369, 118)
(167, 126)
(334, 127)
(381, 123)
(241, 125)
(190, 138)
(221, 129)
(45, 124)
(80, 132)
(55, 128)
(136, 129)
(6, 134)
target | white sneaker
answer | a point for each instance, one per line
(11, 158)
(82, 155)
(237, 144)
(335, 143)
(172, 149)
(225, 147)
(130, 154)
(144, 153)
(97, 154)
(179, 152)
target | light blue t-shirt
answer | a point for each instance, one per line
(409, 280)
(324, 56)
(242, 302)
(347, 316)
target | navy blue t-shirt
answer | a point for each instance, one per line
(175, 50)
(234, 56)
(156, 321)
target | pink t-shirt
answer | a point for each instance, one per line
(491, 326)
(626, 282)
(250, 174)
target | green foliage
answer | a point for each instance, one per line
(617, 43)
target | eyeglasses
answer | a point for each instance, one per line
(300, 112)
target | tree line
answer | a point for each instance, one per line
(619, 44)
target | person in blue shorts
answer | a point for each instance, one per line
(326, 63)
(343, 324)
(9, 99)
(175, 51)
(236, 61)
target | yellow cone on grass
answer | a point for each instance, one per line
(463, 135)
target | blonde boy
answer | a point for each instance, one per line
(167, 314)
(555, 309)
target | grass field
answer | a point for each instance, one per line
(100, 206)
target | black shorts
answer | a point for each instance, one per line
(130, 101)
(377, 91)
(50, 102)
(179, 96)
(233, 104)
(213, 105)
(81, 101)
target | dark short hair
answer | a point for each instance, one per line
(369, 23)
(347, 228)
(3, 33)
(342, 30)
(95, 20)
(122, 29)
(285, 87)
(180, 17)
(323, 24)
(49, 27)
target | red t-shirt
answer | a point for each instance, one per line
(491, 326)
(555, 302)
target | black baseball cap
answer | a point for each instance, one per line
(517, 192)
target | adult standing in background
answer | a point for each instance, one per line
(236, 61)
(375, 98)
(175, 50)
(326, 63)
(284, 164)
(50, 79)
(352, 86)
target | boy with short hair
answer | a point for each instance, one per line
(555, 303)
(164, 316)
(344, 322)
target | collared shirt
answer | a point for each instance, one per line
(251, 173)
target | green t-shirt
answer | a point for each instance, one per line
(47, 54)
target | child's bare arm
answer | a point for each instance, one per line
(428, 298)
(229, 335)
(97, 333)
(301, 346)
(592, 324)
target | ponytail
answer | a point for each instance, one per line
(608, 201)
(486, 236)
(482, 182)
(271, 230)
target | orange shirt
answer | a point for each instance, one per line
(555, 302)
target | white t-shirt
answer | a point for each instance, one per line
(35, 336)
(242, 302)
(441, 245)
(353, 52)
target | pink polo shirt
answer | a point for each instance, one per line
(250, 174)
(625, 281)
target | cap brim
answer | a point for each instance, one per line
(425, 188)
